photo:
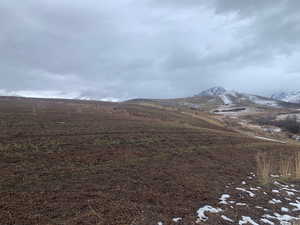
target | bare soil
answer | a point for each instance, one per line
(84, 162)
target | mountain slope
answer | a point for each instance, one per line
(218, 97)
(236, 98)
(291, 97)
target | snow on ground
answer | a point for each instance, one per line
(227, 219)
(248, 203)
(207, 208)
(275, 201)
(232, 93)
(225, 99)
(261, 101)
(177, 219)
(288, 115)
(270, 139)
(247, 220)
(265, 221)
(251, 194)
(224, 198)
(290, 96)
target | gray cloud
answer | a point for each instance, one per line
(147, 48)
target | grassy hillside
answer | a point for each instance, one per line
(84, 162)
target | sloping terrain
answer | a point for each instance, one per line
(291, 97)
(219, 99)
(88, 162)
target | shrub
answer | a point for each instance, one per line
(290, 124)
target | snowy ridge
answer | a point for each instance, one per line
(291, 97)
(220, 92)
(215, 91)
(260, 101)
(232, 97)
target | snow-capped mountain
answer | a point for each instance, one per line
(222, 93)
(291, 96)
(218, 98)
(214, 91)
(235, 98)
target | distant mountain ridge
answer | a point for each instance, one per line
(214, 91)
(237, 98)
(216, 98)
(289, 96)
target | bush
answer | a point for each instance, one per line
(267, 120)
(290, 124)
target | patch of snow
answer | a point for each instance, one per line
(279, 184)
(224, 198)
(262, 101)
(225, 99)
(207, 208)
(283, 209)
(177, 219)
(296, 204)
(270, 139)
(251, 194)
(290, 193)
(289, 189)
(241, 204)
(275, 201)
(266, 221)
(247, 220)
(227, 219)
(282, 218)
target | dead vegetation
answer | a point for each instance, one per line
(77, 162)
(264, 167)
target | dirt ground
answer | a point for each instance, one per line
(82, 162)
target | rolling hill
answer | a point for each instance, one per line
(92, 162)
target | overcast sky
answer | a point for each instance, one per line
(147, 48)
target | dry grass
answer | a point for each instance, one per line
(297, 165)
(285, 166)
(114, 164)
(297, 222)
(264, 167)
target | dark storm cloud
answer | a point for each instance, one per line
(147, 48)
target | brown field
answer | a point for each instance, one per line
(84, 162)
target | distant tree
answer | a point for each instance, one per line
(290, 124)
